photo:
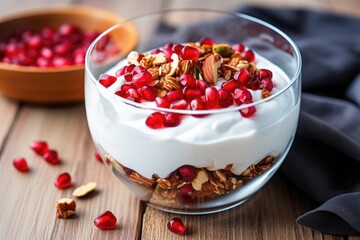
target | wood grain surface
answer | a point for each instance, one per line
(27, 200)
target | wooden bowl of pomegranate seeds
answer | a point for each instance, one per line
(42, 52)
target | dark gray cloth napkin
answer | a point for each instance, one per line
(324, 160)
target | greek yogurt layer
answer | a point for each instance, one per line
(211, 142)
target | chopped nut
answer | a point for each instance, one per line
(200, 178)
(84, 189)
(220, 175)
(163, 183)
(133, 57)
(135, 177)
(174, 64)
(225, 50)
(65, 207)
(170, 83)
(159, 59)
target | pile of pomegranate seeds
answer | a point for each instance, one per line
(105, 221)
(176, 226)
(194, 88)
(47, 47)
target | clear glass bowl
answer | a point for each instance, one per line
(215, 159)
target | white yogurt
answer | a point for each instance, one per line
(213, 141)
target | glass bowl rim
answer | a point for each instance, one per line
(295, 77)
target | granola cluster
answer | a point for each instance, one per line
(204, 185)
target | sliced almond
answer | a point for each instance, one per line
(84, 189)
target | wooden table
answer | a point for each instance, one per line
(27, 201)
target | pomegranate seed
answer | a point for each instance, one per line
(141, 79)
(254, 84)
(265, 73)
(211, 97)
(229, 85)
(155, 120)
(120, 94)
(61, 62)
(248, 112)
(191, 94)
(63, 181)
(242, 76)
(21, 165)
(177, 48)
(126, 86)
(156, 51)
(105, 221)
(51, 157)
(225, 98)
(176, 226)
(121, 71)
(40, 147)
(266, 83)
(188, 80)
(207, 41)
(172, 120)
(128, 77)
(198, 104)
(98, 157)
(132, 95)
(239, 47)
(107, 80)
(169, 46)
(202, 85)
(249, 56)
(149, 93)
(34, 41)
(130, 68)
(186, 193)
(175, 95)
(242, 96)
(179, 104)
(189, 53)
(187, 173)
(43, 62)
(168, 53)
(162, 102)
(67, 29)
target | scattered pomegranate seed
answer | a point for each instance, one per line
(63, 181)
(266, 83)
(155, 120)
(107, 80)
(207, 41)
(179, 104)
(225, 98)
(51, 157)
(211, 97)
(242, 76)
(248, 112)
(162, 102)
(229, 85)
(249, 56)
(265, 73)
(189, 53)
(191, 93)
(149, 93)
(176, 226)
(175, 95)
(21, 165)
(239, 47)
(202, 85)
(142, 78)
(198, 104)
(177, 48)
(172, 120)
(40, 147)
(98, 157)
(187, 173)
(186, 193)
(105, 221)
(242, 96)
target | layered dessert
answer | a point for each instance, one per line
(193, 121)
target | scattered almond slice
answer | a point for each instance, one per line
(84, 189)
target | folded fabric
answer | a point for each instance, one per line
(324, 160)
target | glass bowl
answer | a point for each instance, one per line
(187, 158)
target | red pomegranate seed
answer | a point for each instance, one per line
(266, 83)
(188, 80)
(168, 53)
(156, 51)
(67, 29)
(120, 93)
(187, 173)
(249, 56)
(207, 41)
(172, 120)
(225, 98)
(186, 193)
(34, 41)
(175, 95)
(191, 93)
(189, 53)
(40, 147)
(179, 104)
(239, 47)
(107, 80)
(126, 86)
(51, 157)
(162, 102)
(211, 97)
(63, 181)
(254, 84)
(169, 46)
(248, 112)
(21, 165)
(142, 79)
(98, 157)
(149, 93)
(105, 221)
(130, 68)
(265, 73)
(155, 120)
(202, 85)
(43, 62)
(61, 62)
(128, 77)
(198, 104)
(176, 226)
(132, 95)
(121, 71)
(230, 85)
(242, 96)
(177, 48)
(242, 76)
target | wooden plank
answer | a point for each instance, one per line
(8, 110)
(268, 215)
(27, 206)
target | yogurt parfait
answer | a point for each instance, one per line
(197, 126)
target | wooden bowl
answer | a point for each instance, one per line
(56, 85)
